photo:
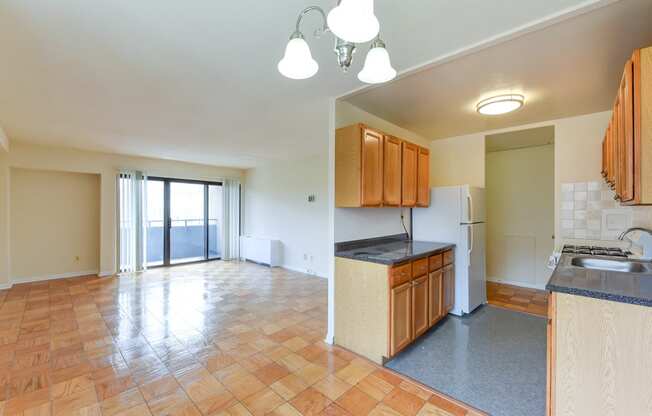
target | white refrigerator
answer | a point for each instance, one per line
(457, 215)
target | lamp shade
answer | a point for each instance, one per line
(377, 67)
(354, 21)
(297, 63)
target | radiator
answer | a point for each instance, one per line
(261, 250)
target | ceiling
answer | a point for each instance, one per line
(570, 68)
(520, 139)
(196, 80)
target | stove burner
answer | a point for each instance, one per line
(595, 251)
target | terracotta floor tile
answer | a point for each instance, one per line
(121, 402)
(24, 402)
(403, 402)
(375, 387)
(72, 400)
(310, 402)
(271, 373)
(430, 409)
(289, 386)
(312, 373)
(263, 402)
(357, 402)
(447, 405)
(251, 333)
(160, 387)
(332, 387)
(334, 410)
(383, 410)
(418, 391)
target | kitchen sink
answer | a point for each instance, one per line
(627, 266)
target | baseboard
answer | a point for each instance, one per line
(106, 273)
(515, 283)
(5, 286)
(17, 280)
(299, 270)
(330, 339)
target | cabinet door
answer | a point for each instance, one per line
(401, 317)
(423, 178)
(409, 179)
(372, 169)
(420, 319)
(434, 297)
(392, 171)
(626, 116)
(449, 288)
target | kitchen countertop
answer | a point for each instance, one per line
(624, 287)
(389, 250)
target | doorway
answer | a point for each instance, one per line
(184, 221)
(520, 206)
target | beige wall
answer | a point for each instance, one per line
(4, 219)
(276, 206)
(458, 161)
(54, 223)
(578, 150)
(30, 156)
(520, 215)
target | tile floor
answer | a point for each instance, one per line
(217, 338)
(518, 298)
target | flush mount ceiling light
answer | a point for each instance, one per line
(351, 22)
(500, 104)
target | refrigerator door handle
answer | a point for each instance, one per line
(470, 238)
(469, 205)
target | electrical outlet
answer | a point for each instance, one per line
(311, 198)
(76, 258)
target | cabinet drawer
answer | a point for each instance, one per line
(400, 274)
(420, 267)
(435, 262)
(448, 257)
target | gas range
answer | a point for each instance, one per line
(596, 251)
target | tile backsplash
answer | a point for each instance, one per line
(589, 211)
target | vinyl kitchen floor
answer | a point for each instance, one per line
(493, 359)
(219, 338)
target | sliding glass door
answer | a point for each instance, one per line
(184, 221)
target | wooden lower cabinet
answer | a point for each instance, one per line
(435, 310)
(448, 288)
(400, 300)
(420, 318)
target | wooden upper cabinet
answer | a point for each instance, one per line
(626, 121)
(409, 179)
(423, 177)
(627, 147)
(392, 171)
(372, 168)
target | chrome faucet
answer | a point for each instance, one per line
(645, 240)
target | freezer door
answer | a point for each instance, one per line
(472, 204)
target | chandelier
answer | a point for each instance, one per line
(351, 22)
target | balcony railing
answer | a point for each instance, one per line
(186, 240)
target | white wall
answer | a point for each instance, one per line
(59, 238)
(31, 156)
(276, 206)
(520, 215)
(4, 141)
(458, 161)
(4, 220)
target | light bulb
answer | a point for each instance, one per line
(354, 21)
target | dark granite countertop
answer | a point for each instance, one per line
(389, 250)
(625, 287)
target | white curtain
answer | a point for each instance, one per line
(132, 228)
(231, 226)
